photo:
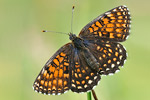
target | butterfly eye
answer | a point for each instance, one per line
(72, 36)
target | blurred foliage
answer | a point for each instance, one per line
(24, 49)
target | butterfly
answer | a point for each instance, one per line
(96, 51)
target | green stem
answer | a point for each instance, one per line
(89, 96)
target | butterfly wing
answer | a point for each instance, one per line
(113, 25)
(83, 77)
(54, 77)
(110, 55)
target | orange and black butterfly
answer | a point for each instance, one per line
(78, 65)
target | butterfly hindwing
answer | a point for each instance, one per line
(54, 77)
(110, 55)
(83, 77)
(113, 25)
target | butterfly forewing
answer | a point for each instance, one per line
(83, 77)
(113, 25)
(54, 78)
(110, 55)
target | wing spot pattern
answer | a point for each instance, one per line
(98, 24)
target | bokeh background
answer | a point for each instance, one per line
(24, 49)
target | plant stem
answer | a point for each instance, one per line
(94, 95)
(89, 96)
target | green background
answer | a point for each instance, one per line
(24, 49)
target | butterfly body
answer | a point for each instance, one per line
(78, 65)
(80, 46)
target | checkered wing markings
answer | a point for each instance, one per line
(83, 78)
(54, 76)
(113, 25)
(109, 54)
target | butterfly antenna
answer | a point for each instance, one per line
(54, 32)
(72, 19)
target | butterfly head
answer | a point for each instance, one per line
(72, 36)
